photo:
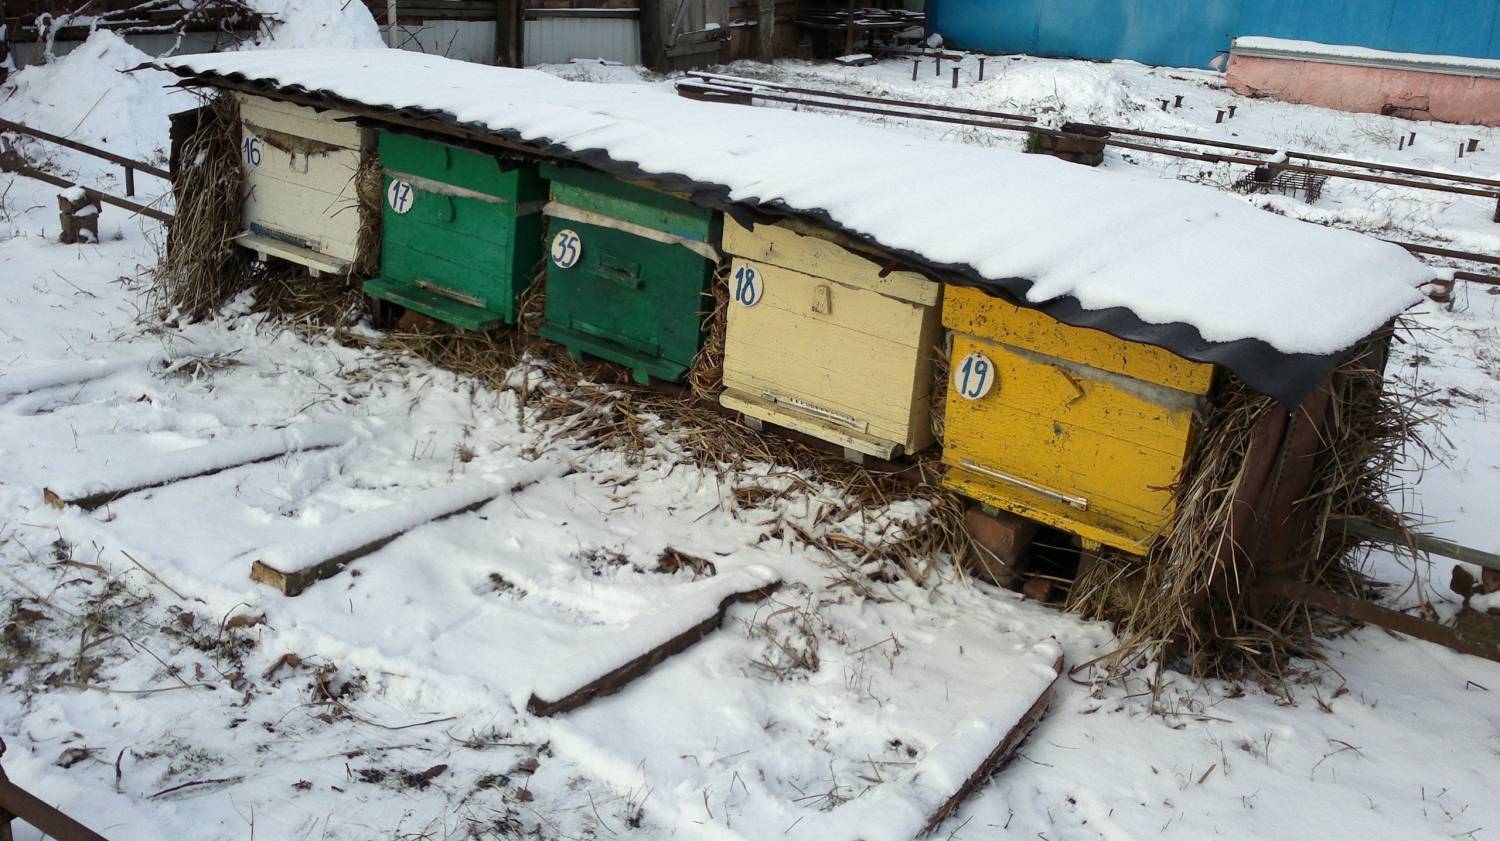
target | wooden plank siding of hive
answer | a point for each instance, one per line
(461, 232)
(636, 294)
(301, 201)
(834, 347)
(1080, 430)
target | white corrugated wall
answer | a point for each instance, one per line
(550, 40)
(555, 40)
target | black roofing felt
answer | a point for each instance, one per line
(1287, 377)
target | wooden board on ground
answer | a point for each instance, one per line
(294, 566)
(192, 463)
(617, 678)
(998, 757)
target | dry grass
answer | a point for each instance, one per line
(369, 187)
(706, 376)
(1182, 601)
(203, 268)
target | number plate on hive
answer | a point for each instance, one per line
(566, 248)
(400, 196)
(974, 376)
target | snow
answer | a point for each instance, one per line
(309, 24)
(87, 96)
(1314, 51)
(135, 471)
(68, 373)
(616, 647)
(357, 530)
(1167, 252)
(735, 738)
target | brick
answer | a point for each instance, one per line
(1001, 539)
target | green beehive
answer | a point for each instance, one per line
(627, 271)
(462, 231)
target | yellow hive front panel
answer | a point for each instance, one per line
(839, 356)
(1077, 441)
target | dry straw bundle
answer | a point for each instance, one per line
(203, 269)
(1190, 600)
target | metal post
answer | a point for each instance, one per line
(1232, 109)
(937, 65)
(915, 63)
(981, 68)
(1220, 118)
(390, 23)
(955, 78)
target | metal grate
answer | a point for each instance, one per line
(1307, 186)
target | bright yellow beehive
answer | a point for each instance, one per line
(823, 342)
(1067, 426)
(301, 199)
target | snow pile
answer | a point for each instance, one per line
(1169, 253)
(306, 24)
(87, 96)
(1074, 91)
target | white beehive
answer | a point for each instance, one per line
(301, 197)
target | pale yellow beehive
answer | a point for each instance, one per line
(301, 199)
(823, 341)
(1064, 425)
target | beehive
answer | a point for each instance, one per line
(822, 341)
(461, 231)
(1067, 426)
(301, 196)
(626, 272)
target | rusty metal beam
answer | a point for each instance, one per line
(1373, 614)
(1428, 543)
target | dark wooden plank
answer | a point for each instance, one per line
(998, 757)
(617, 679)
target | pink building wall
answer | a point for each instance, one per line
(1418, 95)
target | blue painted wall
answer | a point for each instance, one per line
(1190, 33)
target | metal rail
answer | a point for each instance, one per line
(740, 81)
(711, 90)
(736, 84)
(1420, 542)
(18, 804)
(1363, 611)
(129, 164)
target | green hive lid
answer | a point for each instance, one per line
(482, 173)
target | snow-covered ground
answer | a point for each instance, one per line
(153, 690)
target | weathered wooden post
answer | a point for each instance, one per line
(79, 214)
(765, 40)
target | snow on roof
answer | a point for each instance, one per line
(1170, 253)
(1346, 54)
